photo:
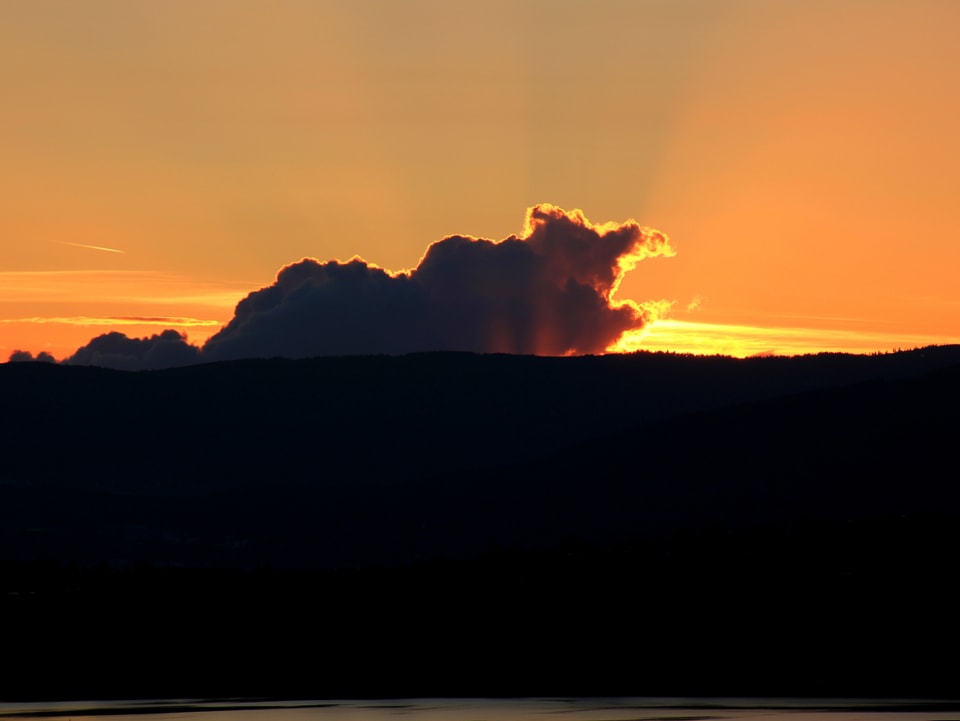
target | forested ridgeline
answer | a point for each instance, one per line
(274, 476)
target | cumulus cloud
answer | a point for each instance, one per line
(25, 356)
(168, 349)
(549, 291)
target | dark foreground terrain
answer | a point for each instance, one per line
(831, 610)
(450, 524)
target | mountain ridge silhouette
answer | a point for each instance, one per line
(379, 459)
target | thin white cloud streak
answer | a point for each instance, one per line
(92, 247)
(118, 321)
(830, 318)
(117, 286)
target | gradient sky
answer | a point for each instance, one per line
(802, 155)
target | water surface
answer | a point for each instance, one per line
(540, 709)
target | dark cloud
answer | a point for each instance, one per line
(549, 291)
(324, 309)
(168, 349)
(25, 356)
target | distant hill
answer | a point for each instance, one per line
(452, 524)
(361, 460)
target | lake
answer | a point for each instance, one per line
(534, 709)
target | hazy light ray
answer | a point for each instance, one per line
(92, 247)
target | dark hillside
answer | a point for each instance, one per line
(371, 420)
(482, 525)
(369, 460)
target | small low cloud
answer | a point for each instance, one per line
(168, 349)
(25, 356)
(549, 291)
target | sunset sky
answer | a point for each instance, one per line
(164, 158)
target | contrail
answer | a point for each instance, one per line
(93, 247)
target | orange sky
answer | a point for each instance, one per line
(802, 155)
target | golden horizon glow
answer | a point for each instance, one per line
(744, 341)
(77, 305)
